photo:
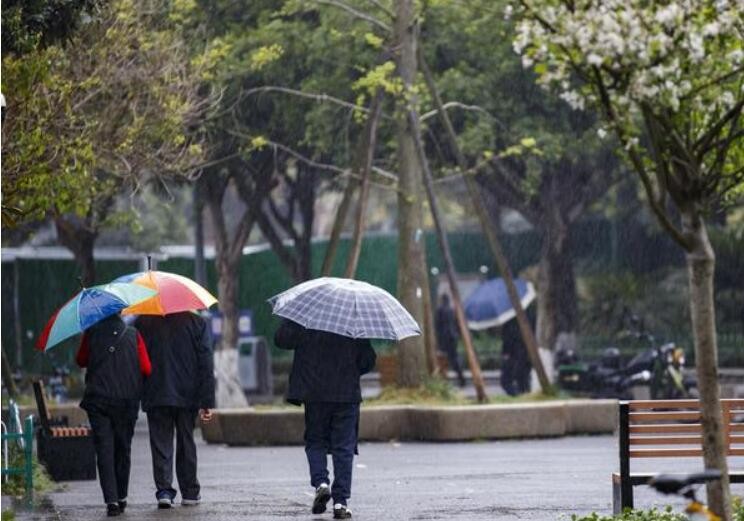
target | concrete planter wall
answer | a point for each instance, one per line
(416, 423)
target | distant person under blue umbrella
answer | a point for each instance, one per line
(445, 326)
(490, 307)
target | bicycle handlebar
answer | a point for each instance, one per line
(673, 484)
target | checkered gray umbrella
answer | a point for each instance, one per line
(346, 307)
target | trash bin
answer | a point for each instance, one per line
(254, 366)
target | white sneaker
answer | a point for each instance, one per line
(190, 502)
(341, 511)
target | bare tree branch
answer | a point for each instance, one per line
(463, 106)
(322, 97)
(325, 166)
(382, 8)
(358, 14)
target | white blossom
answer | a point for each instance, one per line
(594, 59)
(508, 12)
(574, 99)
(711, 29)
(697, 48)
(602, 133)
(669, 15)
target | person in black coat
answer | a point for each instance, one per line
(180, 388)
(117, 363)
(515, 362)
(445, 326)
(325, 378)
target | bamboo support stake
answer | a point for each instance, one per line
(524, 326)
(475, 369)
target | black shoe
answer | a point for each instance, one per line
(112, 509)
(341, 511)
(322, 495)
(122, 505)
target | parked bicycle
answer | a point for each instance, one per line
(686, 486)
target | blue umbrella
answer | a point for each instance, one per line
(489, 305)
(87, 307)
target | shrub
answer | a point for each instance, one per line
(635, 515)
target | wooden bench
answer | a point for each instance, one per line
(668, 429)
(67, 452)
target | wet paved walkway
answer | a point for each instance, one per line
(529, 479)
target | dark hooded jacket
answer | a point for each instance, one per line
(117, 362)
(326, 366)
(180, 347)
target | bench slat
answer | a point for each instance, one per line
(663, 416)
(733, 404)
(659, 428)
(665, 453)
(676, 453)
(666, 440)
(635, 405)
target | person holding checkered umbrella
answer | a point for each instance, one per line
(328, 323)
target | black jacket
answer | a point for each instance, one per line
(117, 364)
(511, 338)
(180, 347)
(326, 366)
(445, 325)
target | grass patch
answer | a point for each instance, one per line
(654, 514)
(8, 515)
(16, 485)
(436, 391)
(635, 515)
(22, 400)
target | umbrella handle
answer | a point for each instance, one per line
(149, 262)
(80, 281)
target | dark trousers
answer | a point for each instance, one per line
(454, 363)
(113, 428)
(515, 374)
(162, 422)
(331, 427)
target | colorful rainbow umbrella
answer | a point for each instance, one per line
(87, 307)
(175, 293)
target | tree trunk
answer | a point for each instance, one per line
(200, 271)
(700, 269)
(462, 324)
(80, 240)
(363, 150)
(8, 381)
(411, 269)
(338, 226)
(493, 241)
(558, 314)
(364, 161)
(227, 291)
(229, 392)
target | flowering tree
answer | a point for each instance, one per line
(667, 80)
